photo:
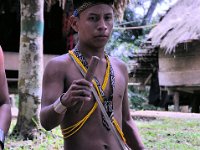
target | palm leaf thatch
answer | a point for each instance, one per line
(179, 25)
(119, 6)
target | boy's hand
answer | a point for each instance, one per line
(79, 91)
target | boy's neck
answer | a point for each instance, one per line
(89, 52)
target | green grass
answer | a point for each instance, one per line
(46, 140)
(170, 134)
(160, 134)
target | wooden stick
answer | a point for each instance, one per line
(92, 67)
(90, 74)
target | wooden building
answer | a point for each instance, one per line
(55, 43)
(178, 38)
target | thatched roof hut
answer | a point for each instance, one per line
(179, 25)
(176, 39)
(177, 36)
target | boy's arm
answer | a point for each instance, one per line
(5, 108)
(52, 89)
(130, 129)
(5, 120)
(128, 125)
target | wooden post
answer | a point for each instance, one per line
(196, 103)
(176, 101)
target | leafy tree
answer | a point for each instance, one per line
(138, 13)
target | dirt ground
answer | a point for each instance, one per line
(148, 115)
(160, 114)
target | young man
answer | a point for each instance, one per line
(64, 88)
(5, 110)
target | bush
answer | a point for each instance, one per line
(138, 99)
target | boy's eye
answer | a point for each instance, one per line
(93, 18)
(108, 17)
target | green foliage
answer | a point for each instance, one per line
(123, 43)
(123, 50)
(138, 99)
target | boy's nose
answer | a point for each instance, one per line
(102, 25)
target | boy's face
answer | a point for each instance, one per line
(95, 24)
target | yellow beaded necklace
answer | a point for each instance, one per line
(69, 131)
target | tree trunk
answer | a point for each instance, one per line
(148, 16)
(31, 67)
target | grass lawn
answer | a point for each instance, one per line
(159, 134)
(170, 134)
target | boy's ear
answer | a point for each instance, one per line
(74, 23)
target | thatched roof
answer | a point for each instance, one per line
(179, 25)
(119, 6)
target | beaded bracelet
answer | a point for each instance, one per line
(58, 106)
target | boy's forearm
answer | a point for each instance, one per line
(132, 135)
(49, 118)
(5, 120)
(136, 142)
(5, 117)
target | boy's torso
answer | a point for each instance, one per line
(93, 134)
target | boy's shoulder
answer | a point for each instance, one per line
(59, 61)
(117, 61)
(119, 65)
